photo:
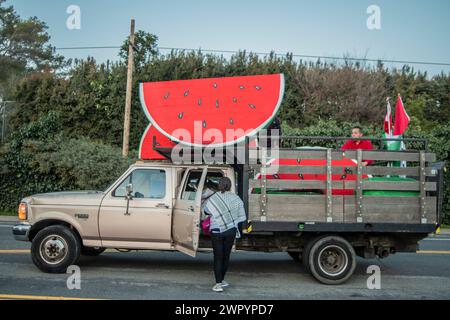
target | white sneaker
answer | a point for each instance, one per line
(224, 284)
(217, 287)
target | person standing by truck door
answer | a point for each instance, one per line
(227, 212)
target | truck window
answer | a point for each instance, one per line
(147, 183)
(212, 179)
(190, 188)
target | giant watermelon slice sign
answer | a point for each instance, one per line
(214, 111)
(146, 151)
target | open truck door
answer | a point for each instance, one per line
(186, 213)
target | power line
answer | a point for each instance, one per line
(276, 54)
(315, 56)
(83, 48)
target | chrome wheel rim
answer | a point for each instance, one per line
(333, 260)
(53, 249)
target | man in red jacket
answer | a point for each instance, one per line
(357, 132)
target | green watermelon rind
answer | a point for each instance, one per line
(229, 143)
(142, 139)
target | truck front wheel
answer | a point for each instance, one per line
(55, 248)
(331, 260)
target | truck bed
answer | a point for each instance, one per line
(378, 194)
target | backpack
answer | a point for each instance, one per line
(206, 224)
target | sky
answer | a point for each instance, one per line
(409, 30)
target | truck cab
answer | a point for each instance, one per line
(161, 209)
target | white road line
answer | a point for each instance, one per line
(29, 297)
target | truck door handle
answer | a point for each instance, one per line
(191, 208)
(162, 205)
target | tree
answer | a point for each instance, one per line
(144, 48)
(23, 46)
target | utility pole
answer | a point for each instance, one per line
(3, 112)
(126, 125)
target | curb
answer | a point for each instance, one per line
(445, 231)
(9, 219)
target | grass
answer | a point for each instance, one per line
(8, 213)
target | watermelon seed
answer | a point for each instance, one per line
(199, 102)
(167, 96)
(180, 115)
(215, 85)
(258, 88)
(231, 121)
(204, 123)
(186, 93)
(217, 103)
(234, 100)
(252, 106)
(241, 87)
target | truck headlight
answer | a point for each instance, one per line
(22, 211)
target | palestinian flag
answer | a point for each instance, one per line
(388, 119)
(401, 117)
(401, 124)
(388, 130)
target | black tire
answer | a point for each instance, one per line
(305, 254)
(331, 260)
(55, 248)
(92, 251)
(296, 256)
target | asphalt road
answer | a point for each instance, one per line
(172, 275)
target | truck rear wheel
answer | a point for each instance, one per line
(55, 248)
(331, 259)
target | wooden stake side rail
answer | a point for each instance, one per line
(372, 170)
(357, 208)
(412, 156)
(329, 200)
(322, 185)
(312, 208)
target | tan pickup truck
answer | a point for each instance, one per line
(156, 205)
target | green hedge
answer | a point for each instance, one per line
(40, 159)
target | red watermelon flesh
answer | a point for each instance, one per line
(146, 151)
(344, 163)
(248, 103)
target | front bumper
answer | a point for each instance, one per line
(21, 231)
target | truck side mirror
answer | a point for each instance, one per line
(129, 190)
(129, 196)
